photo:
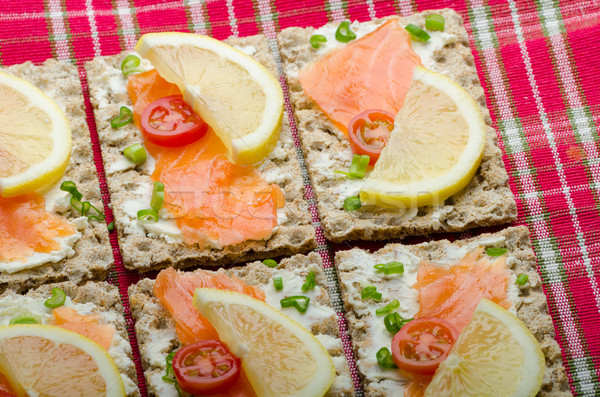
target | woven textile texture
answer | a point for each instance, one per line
(537, 61)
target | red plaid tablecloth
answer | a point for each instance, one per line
(537, 61)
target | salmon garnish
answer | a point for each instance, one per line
(214, 200)
(86, 325)
(453, 294)
(373, 72)
(26, 227)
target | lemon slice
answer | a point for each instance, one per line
(435, 148)
(41, 360)
(280, 357)
(35, 138)
(495, 355)
(240, 99)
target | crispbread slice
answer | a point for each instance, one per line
(98, 298)
(156, 330)
(93, 257)
(145, 252)
(486, 201)
(355, 268)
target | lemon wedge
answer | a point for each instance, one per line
(495, 355)
(280, 357)
(237, 96)
(35, 138)
(42, 360)
(435, 148)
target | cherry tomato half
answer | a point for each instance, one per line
(369, 132)
(422, 344)
(206, 367)
(169, 121)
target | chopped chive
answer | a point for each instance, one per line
(522, 279)
(434, 22)
(491, 251)
(169, 375)
(393, 322)
(278, 282)
(417, 33)
(384, 358)
(352, 203)
(86, 207)
(310, 282)
(370, 292)
(70, 187)
(57, 299)
(298, 301)
(25, 319)
(390, 307)
(316, 40)
(390, 268)
(270, 263)
(148, 215)
(358, 167)
(130, 65)
(136, 153)
(158, 196)
(125, 117)
(111, 226)
(343, 33)
(83, 208)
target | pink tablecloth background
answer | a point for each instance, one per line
(537, 61)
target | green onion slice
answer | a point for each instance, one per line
(270, 263)
(278, 282)
(316, 40)
(111, 226)
(393, 322)
(390, 268)
(352, 203)
(70, 187)
(148, 215)
(125, 117)
(370, 292)
(169, 375)
(57, 299)
(310, 282)
(136, 153)
(158, 196)
(343, 33)
(434, 22)
(130, 65)
(298, 301)
(491, 251)
(390, 307)
(417, 33)
(384, 358)
(358, 167)
(25, 319)
(522, 279)
(86, 207)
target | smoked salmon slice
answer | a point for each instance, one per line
(37, 229)
(175, 291)
(454, 293)
(373, 72)
(86, 325)
(214, 200)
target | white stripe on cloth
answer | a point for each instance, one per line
(197, 15)
(127, 27)
(57, 20)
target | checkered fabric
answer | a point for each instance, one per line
(537, 61)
